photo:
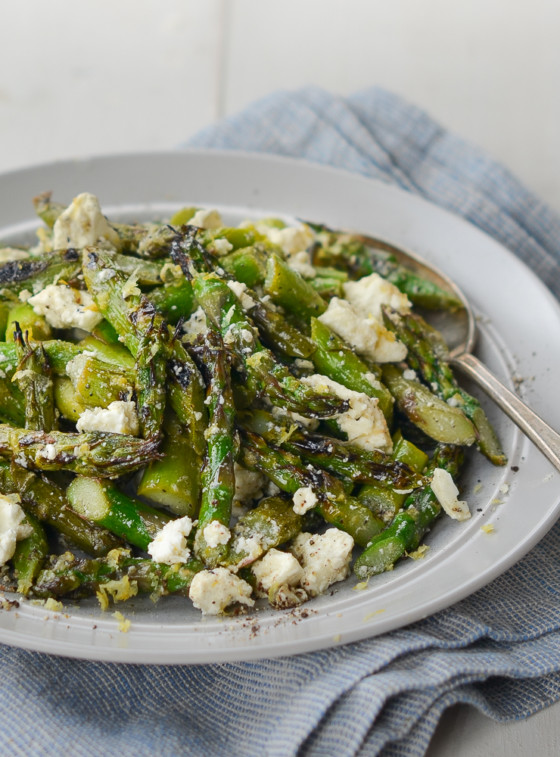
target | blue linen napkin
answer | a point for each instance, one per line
(498, 650)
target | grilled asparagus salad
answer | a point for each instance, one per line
(227, 413)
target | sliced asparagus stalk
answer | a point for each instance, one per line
(101, 502)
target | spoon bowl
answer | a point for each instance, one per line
(458, 328)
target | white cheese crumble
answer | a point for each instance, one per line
(216, 533)
(246, 336)
(75, 367)
(82, 224)
(12, 529)
(222, 247)
(303, 365)
(249, 484)
(446, 492)
(207, 219)
(276, 569)
(301, 263)
(49, 451)
(66, 308)
(239, 291)
(271, 490)
(170, 543)
(365, 334)
(325, 558)
(10, 254)
(118, 418)
(292, 239)
(363, 422)
(304, 499)
(196, 324)
(212, 591)
(369, 293)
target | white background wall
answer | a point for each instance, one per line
(81, 77)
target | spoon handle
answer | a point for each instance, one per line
(539, 432)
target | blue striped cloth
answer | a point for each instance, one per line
(498, 650)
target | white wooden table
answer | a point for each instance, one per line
(124, 76)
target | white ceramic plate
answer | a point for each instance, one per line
(519, 325)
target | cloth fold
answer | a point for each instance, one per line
(498, 650)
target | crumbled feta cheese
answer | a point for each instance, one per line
(365, 334)
(276, 569)
(446, 492)
(222, 247)
(197, 324)
(49, 451)
(118, 418)
(75, 367)
(216, 533)
(363, 422)
(82, 224)
(10, 254)
(271, 490)
(410, 375)
(24, 295)
(301, 262)
(369, 293)
(170, 543)
(325, 558)
(12, 529)
(66, 308)
(303, 365)
(246, 336)
(292, 239)
(248, 484)
(239, 291)
(304, 499)
(212, 591)
(207, 219)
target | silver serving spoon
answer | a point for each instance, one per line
(459, 331)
